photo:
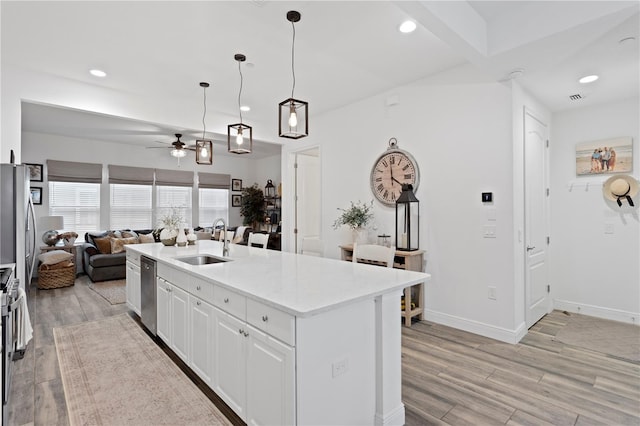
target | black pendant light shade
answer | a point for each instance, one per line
(293, 114)
(204, 147)
(239, 136)
(293, 119)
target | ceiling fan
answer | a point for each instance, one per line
(178, 148)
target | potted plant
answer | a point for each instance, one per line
(356, 217)
(170, 223)
(252, 208)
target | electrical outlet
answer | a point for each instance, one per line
(492, 293)
(340, 367)
(489, 231)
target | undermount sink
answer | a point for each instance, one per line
(203, 259)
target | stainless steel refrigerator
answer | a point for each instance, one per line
(17, 222)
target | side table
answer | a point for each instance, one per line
(411, 261)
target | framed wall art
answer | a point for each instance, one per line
(606, 156)
(236, 184)
(36, 195)
(236, 200)
(35, 172)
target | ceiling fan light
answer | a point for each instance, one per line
(204, 151)
(178, 153)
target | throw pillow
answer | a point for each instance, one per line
(54, 256)
(146, 238)
(117, 244)
(129, 234)
(103, 244)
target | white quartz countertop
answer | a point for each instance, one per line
(298, 284)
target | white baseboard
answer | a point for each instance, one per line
(597, 311)
(393, 418)
(476, 327)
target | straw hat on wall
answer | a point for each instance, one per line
(623, 189)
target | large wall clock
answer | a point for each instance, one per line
(393, 168)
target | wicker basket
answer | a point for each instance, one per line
(56, 278)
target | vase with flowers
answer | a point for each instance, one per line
(169, 223)
(356, 217)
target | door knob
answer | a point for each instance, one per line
(529, 248)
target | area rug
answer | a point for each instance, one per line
(115, 292)
(615, 338)
(114, 374)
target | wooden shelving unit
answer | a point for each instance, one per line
(411, 261)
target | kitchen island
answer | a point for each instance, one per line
(282, 338)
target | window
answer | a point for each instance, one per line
(214, 203)
(178, 197)
(78, 203)
(131, 207)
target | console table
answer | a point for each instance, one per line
(411, 261)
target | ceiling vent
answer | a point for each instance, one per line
(575, 97)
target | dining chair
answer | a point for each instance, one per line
(373, 254)
(312, 247)
(228, 236)
(258, 240)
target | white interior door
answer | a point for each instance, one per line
(308, 196)
(537, 297)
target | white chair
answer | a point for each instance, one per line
(239, 234)
(258, 240)
(228, 236)
(374, 254)
(312, 247)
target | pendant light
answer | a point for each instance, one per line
(240, 136)
(293, 118)
(204, 147)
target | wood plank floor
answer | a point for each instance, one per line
(449, 376)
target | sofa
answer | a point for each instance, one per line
(103, 255)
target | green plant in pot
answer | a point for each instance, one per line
(356, 217)
(252, 208)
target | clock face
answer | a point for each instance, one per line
(393, 169)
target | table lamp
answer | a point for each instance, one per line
(53, 223)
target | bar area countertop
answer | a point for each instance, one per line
(297, 284)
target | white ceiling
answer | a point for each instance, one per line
(345, 51)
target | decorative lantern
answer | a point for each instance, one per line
(269, 189)
(407, 220)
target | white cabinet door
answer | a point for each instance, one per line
(133, 287)
(230, 361)
(163, 309)
(270, 380)
(179, 323)
(201, 337)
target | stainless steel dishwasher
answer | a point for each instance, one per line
(148, 293)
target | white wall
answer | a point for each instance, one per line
(592, 272)
(38, 148)
(460, 133)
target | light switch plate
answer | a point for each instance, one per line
(608, 228)
(489, 231)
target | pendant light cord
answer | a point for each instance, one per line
(293, 71)
(204, 113)
(240, 91)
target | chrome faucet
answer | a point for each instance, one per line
(225, 242)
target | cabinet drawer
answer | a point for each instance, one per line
(272, 321)
(133, 257)
(230, 302)
(177, 278)
(202, 289)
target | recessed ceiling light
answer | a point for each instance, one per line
(588, 79)
(97, 73)
(245, 108)
(407, 27)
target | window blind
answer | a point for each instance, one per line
(174, 178)
(214, 181)
(130, 175)
(214, 203)
(71, 171)
(78, 203)
(170, 198)
(131, 206)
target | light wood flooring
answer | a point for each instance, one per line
(449, 376)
